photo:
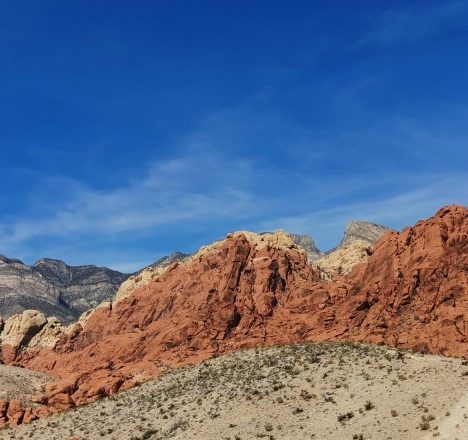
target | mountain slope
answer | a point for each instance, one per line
(54, 288)
(362, 231)
(254, 290)
(307, 243)
(318, 391)
(413, 292)
(144, 276)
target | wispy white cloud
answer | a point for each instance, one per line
(424, 195)
(194, 187)
(414, 22)
(221, 176)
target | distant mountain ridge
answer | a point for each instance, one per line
(356, 247)
(54, 287)
(166, 261)
(362, 231)
(307, 243)
(57, 289)
(355, 231)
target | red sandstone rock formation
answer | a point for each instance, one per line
(11, 413)
(412, 293)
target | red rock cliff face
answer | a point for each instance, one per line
(220, 301)
(412, 293)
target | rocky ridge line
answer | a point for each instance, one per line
(54, 288)
(254, 291)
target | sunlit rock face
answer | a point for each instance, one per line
(356, 247)
(252, 290)
(362, 231)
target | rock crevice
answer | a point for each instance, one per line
(251, 290)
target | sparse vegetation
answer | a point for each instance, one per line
(283, 392)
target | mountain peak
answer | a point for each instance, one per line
(358, 230)
(307, 242)
(5, 260)
(50, 262)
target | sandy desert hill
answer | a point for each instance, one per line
(312, 391)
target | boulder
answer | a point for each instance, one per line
(18, 332)
(15, 413)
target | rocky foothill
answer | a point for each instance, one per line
(247, 291)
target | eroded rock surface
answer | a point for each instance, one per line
(343, 259)
(413, 292)
(251, 290)
(18, 331)
(356, 247)
(148, 274)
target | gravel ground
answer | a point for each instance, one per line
(310, 391)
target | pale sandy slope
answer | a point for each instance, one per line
(18, 383)
(326, 391)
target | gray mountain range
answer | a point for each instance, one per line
(54, 288)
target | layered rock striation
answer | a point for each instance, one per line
(54, 288)
(254, 290)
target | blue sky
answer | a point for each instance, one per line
(130, 130)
